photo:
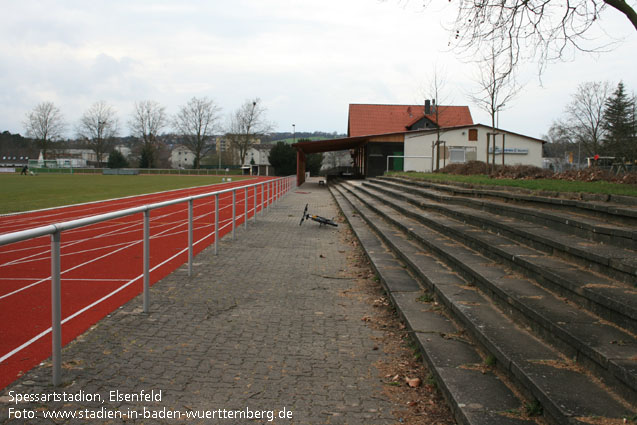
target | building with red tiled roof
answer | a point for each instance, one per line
(376, 134)
(370, 119)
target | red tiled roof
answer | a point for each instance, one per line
(365, 119)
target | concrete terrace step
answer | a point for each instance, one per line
(619, 263)
(477, 396)
(579, 334)
(586, 223)
(613, 300)
(621, 209)
(568, 394)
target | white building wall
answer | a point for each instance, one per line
(182, 157)
(518, 149)
(260, 156)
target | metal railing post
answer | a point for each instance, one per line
(234, 221)
(216, 224)
(146, 261)
(255, 204)
(245, 210)
(190, 225)
(56, 310)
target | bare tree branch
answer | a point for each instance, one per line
(45, 124)
(247, 124)
(545, 30)
(584, 120)
(496, 82)
(197, 122)
(98, 126)
(149, 117)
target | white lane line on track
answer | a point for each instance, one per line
(66, 279)
(32, 259)
(110, 224)
(46, 248)
(120, 230)
(90, 261)
(77, 313)
(126, 200)
(100, 248)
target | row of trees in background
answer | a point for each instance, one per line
(597, 121)
(196, 124)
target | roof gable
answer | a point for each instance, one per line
(366, 119)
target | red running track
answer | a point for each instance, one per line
(101, 265)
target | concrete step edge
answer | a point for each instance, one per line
(614, 372)
(459, 397)
(614, 266)
(611, 308)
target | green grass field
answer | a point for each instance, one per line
(552, 185)
(25, 193)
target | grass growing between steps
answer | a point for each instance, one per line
(552, 185)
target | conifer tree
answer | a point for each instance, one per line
(619, 122)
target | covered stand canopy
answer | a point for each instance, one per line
(318, 146)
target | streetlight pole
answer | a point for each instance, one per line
(294, 133)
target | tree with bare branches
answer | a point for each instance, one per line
(149, 117)
(98, 126)
(496, 87)
(583, 124)
(45, 124)
(247, 124)
(542, 29)
(196, 122)
(436, 91)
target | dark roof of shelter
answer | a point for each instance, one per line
(317, 146)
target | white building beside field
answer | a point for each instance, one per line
(469, 143)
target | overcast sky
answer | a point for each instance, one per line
(306, 60)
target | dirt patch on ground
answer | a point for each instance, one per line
(529, 172)
(405, 378)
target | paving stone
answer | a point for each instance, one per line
(262, 325)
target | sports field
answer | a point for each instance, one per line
(101, 264)
(26, 193)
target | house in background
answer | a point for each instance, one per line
(182, 157)
(385, 126)
(468, 143)
(257, 158)
(399, 137)
(370, 119)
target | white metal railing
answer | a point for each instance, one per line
(270, 190)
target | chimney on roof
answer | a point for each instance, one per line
(427, 107)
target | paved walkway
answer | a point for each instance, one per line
(263, 326)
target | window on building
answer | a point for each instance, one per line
(473, 135)
(460, 154)
(456, 154)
